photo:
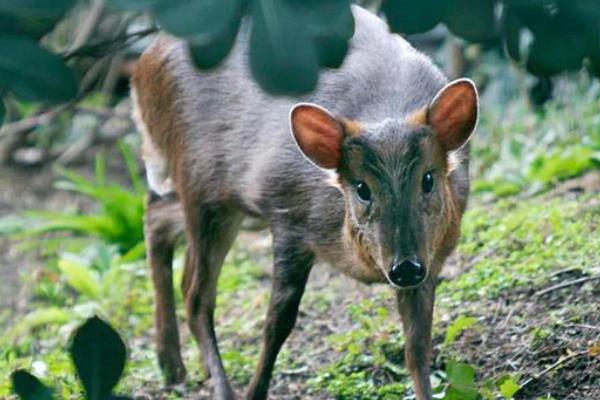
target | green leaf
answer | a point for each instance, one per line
(462, 382)
(33, 73)
(80, 278)
(28, 387)
(283, 58)
(458, 326)
(508, 387)
(99, 354)
(460, 374)
(2, 112)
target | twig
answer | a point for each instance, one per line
(567, 284)
(585, 326)
(552, 367)
(88, 26)
(121, 41)
(30, 123)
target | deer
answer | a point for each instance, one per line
(368, 174)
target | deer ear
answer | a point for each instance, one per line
(453, 113)
(318, 134)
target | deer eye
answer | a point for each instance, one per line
(364, 193)
(427, 182)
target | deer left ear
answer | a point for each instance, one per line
(453, 113)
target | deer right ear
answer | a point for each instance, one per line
(318, 133)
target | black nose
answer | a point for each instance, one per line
(408, 273)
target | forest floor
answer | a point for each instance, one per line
(517, 311)
(501, 297)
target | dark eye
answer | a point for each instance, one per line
(363, 191)
(427, 183)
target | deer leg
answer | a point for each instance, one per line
(416, 310)
(162, 225)
(211, 231)
(292, 265)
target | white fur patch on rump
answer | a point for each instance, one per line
(157, 170)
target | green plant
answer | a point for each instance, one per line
(99, 355)
(119, 220)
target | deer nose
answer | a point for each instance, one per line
(407, 273)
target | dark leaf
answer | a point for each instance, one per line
(28, 387)
(2, 111)
(472, 20)
(33, 73)
(327, 18)
(210, 27)
(135, 5)
(331, 25)
(52, 9)
(552, 52)
(331, 51)
(99, 354)
(408, 16)
(34, 28)
(283, 58)
(204, 21)
(207, 55)
(511, 29)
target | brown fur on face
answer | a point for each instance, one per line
(418, 117)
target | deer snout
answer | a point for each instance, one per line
(407, 273)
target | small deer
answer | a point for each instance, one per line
(368, 174)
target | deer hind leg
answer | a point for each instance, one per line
(211, 231)
(163, 224)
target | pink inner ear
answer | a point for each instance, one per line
(318, 134)
(453, 114)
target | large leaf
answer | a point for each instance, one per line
(135, 5)
(36, 8)
(552, 52)
(28, 387)
(511, 31)
(331, 25)
(210, 26)
(33, 73)
(473, 20)
(408, 16)
(203, 20)
(462, 382)
(283, 58)
(99, 354)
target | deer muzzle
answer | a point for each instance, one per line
(407, 273)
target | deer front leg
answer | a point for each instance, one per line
(416, 309)
(291, 270)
